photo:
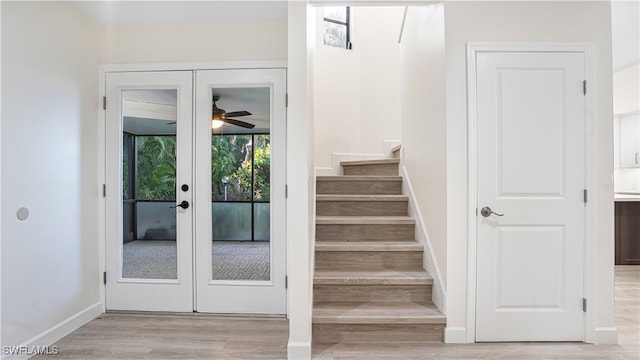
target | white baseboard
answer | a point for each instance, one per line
(56, 332)
(299, 351)
(606, 335)
(430, 263)
(455, 335)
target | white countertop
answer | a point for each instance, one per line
(626, 197)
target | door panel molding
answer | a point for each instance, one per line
(589, 259)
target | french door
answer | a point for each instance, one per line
(195, 193)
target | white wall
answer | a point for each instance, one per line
(521, 22)
(357, 97)
(300, 180)
(203, 43)
(49, 165)
(424, 119)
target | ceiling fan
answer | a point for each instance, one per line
(219, 117)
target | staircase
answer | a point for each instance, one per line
(369, 285)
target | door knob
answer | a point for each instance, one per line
(184, 204)
(486, 212)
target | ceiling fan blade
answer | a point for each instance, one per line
(171, 123)
(235, 122)
(238, 113)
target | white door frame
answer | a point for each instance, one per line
(102, 121)
(590, 166)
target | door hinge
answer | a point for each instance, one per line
(584, 195)
(104, 103)
(104, 278)
(286, 191)
(584, 305)
(584, 87)
(286, 100)
(286, 282)
(104, 190)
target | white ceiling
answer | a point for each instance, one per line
(178, 13)
(625, 18)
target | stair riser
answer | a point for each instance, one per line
(383, 232)
(372, 293)
(361, 208)
(375, 334)
(372, 169)
(359, 187)
(368, 260)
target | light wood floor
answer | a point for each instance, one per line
(135, 336)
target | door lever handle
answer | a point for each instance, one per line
(184, 204)
(486, 212)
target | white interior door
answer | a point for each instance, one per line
(149, 240)
(531, 169)
(240, 212)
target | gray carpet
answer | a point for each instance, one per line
(232, 260)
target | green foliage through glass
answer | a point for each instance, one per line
(156, 168)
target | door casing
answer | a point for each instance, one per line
(472, 194)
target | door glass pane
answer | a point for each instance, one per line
(240, 182)
(149, 184)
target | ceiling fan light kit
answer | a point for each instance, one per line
(216, 124)
(219, 116)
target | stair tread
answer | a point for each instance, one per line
(359, 178)
(370, 162)
(372, 277)
(361, 197)
(364, 220)
(369, 246)
(377, 313)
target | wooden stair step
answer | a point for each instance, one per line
(382, 167)
(365, 228)
(369, 260)
(368, 277)
(362, 205)
(370, 162)
(386, 246)
(359, 178)
(368, 335)
(364, 220)
(359, 184)
(362, 197)
(377, 313)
